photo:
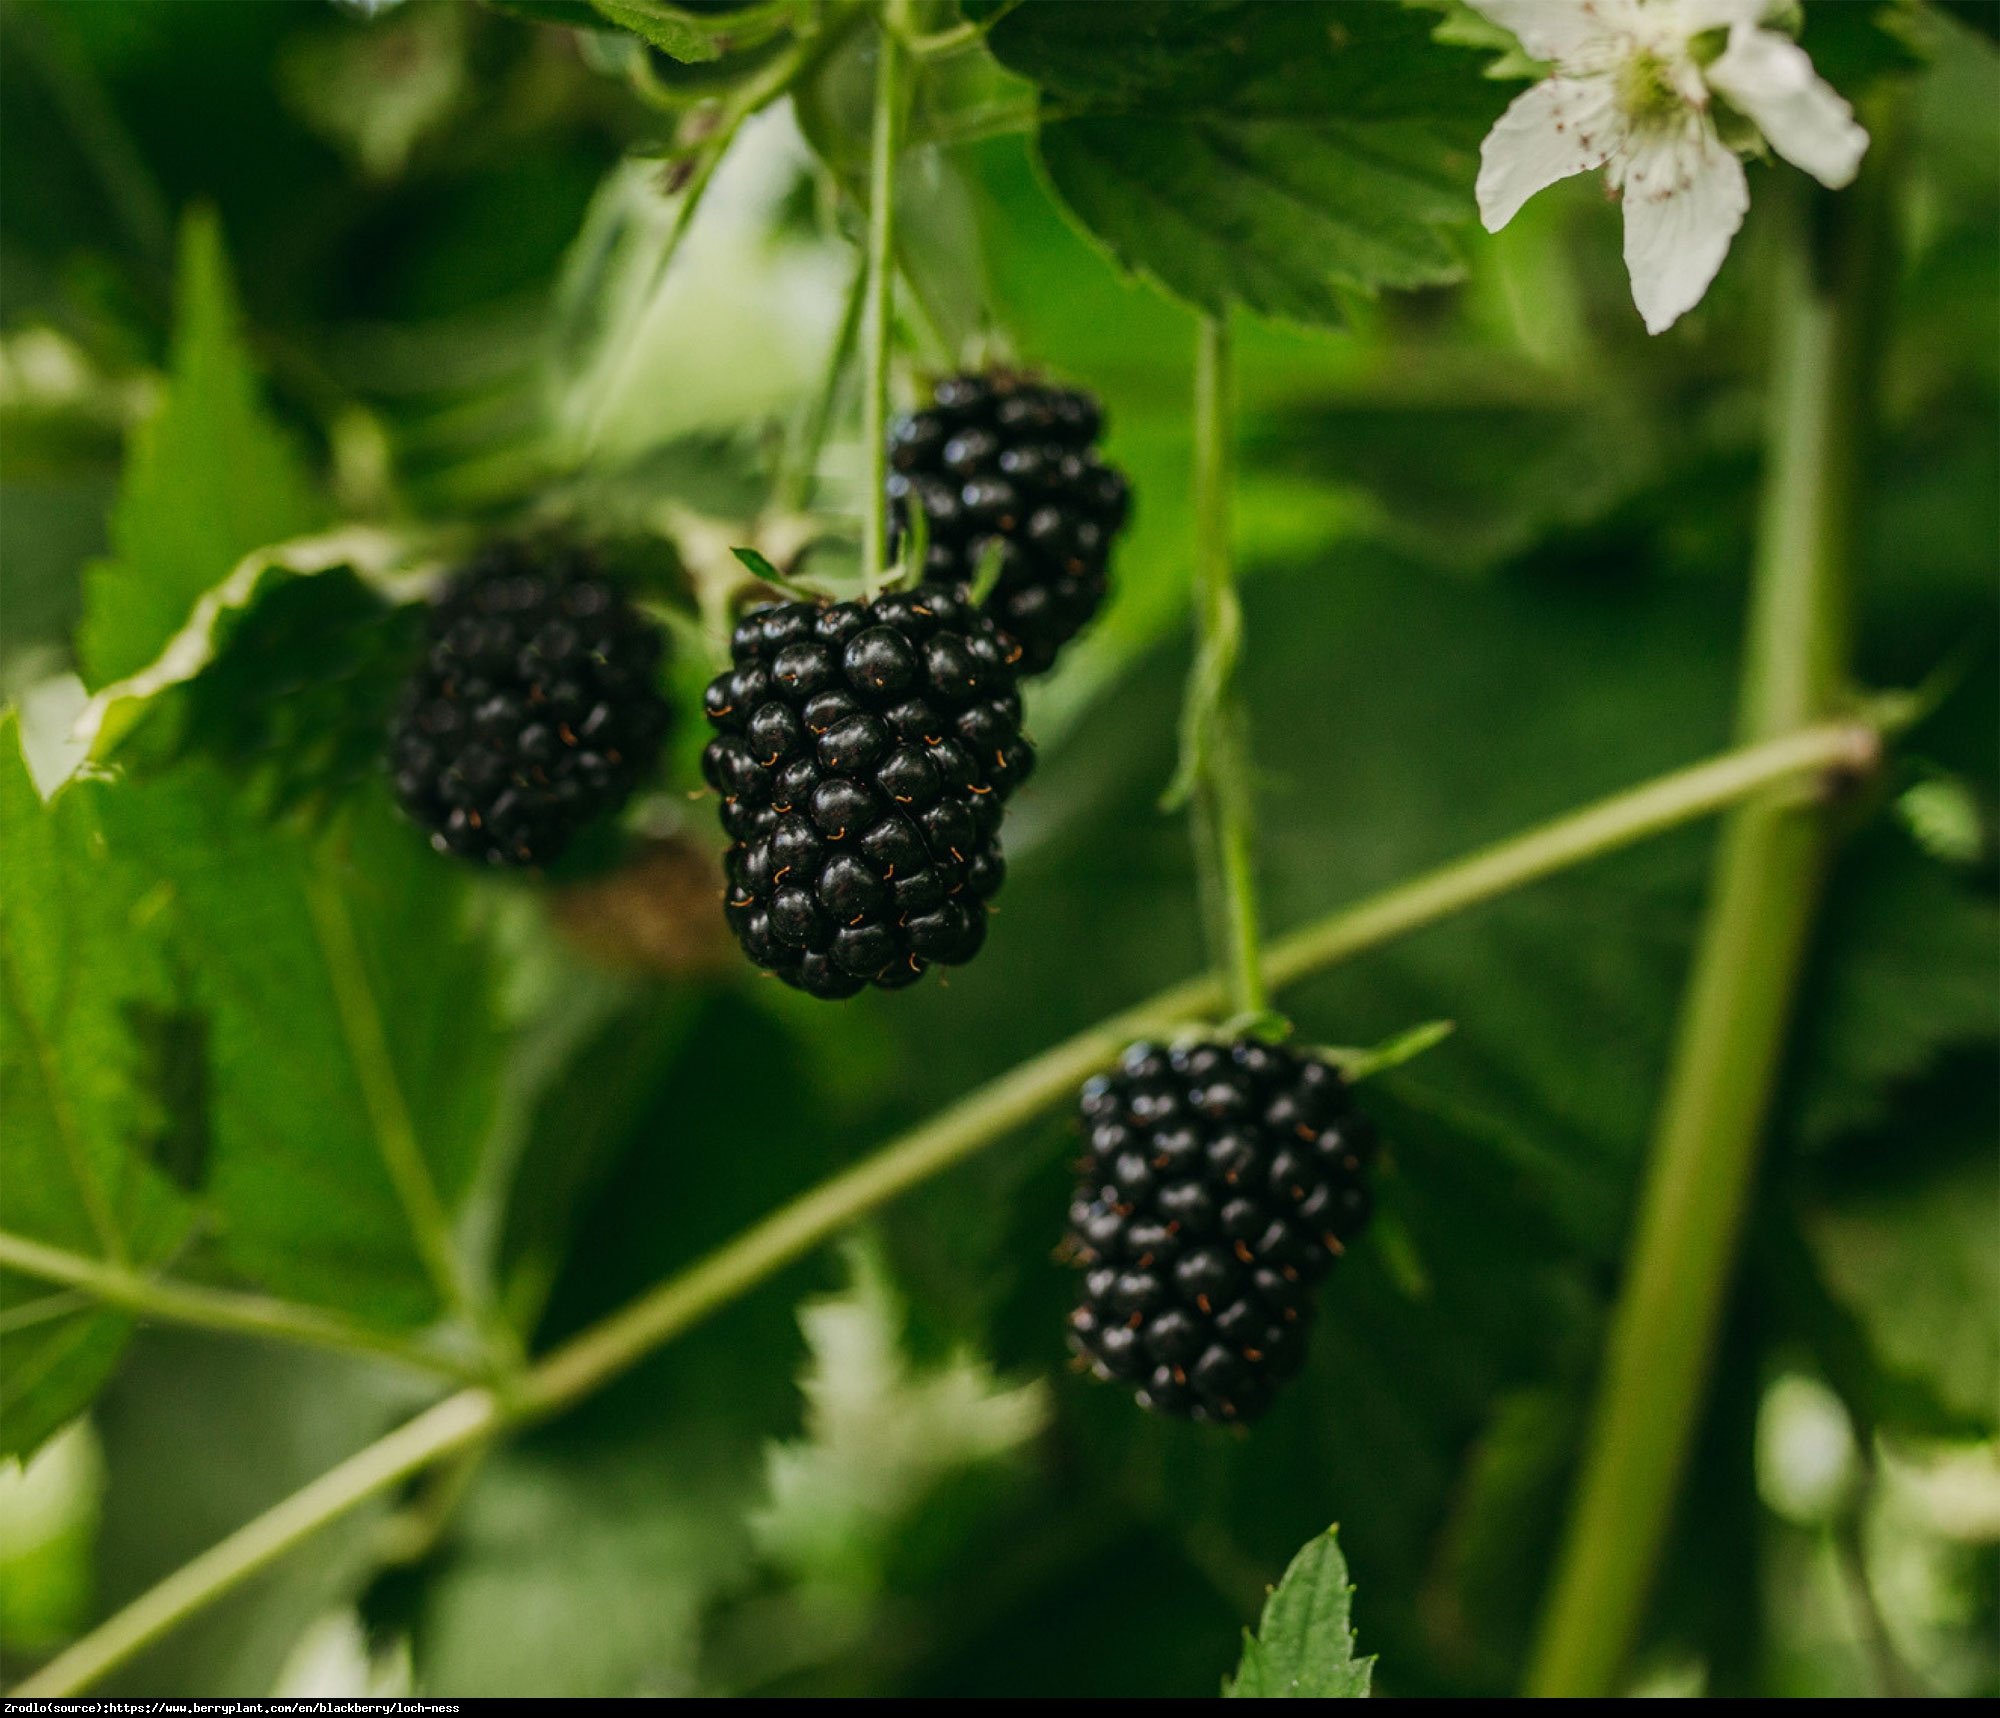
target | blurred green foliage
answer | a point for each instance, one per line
(1496, 543)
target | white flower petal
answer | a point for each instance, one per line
(1772, 81)
(1685, 196)
(1560, 127)
(1695, 16)
(1558, 29)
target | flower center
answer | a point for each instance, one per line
(1646, 90)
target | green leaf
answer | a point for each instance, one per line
(208, 479)
(1279, 215)
(1905, 973)
(882, 1434)
(350, 1018)
(1900, 1227)
(1304, 1645)
(1276, 158)
(80, 971)
(669, 28)
(229, 628)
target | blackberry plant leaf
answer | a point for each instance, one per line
(209, 478)
(671, 29)
(1273, 157)
(351, 1034)
(262, 648)
(1898, 1220)
(1907, 962)
(79, 970)
(1304, 1645)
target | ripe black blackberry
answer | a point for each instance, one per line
(1000, 458)
(1221, 1182)
(536, 708)
(863, 753)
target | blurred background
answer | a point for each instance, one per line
(1495, 543)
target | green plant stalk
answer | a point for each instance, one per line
(163, 1300)
(1224, 820)
(1746, 972)
(977, 1121)
(881, 293)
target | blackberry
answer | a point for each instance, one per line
(536, 708)
(1001, 458)
(1221, 1182)
(863, 753)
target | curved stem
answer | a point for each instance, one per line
(1746, 972)
(969, 1126)
(168, 1302)
(881, 284)
(1216, 752)
(456, 1423)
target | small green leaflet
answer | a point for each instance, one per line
(1356, 1065)
(1304, 1645)
(668, 28)
(208, 479)
(767, 573)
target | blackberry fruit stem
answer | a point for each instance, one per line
(979, 1120)
(1215, 737)
(1755, 937)
(880, 306)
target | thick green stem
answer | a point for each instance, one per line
(1217, 749)
(881, 293)
(976, 1122)
(1746, 972)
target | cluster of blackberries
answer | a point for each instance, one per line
(863, 753)
(1221, 1182)
(997, 459)
(535, 710)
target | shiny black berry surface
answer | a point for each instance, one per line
(535, 711)
(863, 753)
(1001, 458)
(1221, 1181)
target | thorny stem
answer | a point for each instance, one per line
(1216, 752)
(1747, 967)
(977, 1121)
(881, 294)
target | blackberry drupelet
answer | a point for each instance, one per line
(535, 711)
(998, 457)
(1221, 1182)
(863, 753)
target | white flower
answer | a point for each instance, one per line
(1633, 93)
